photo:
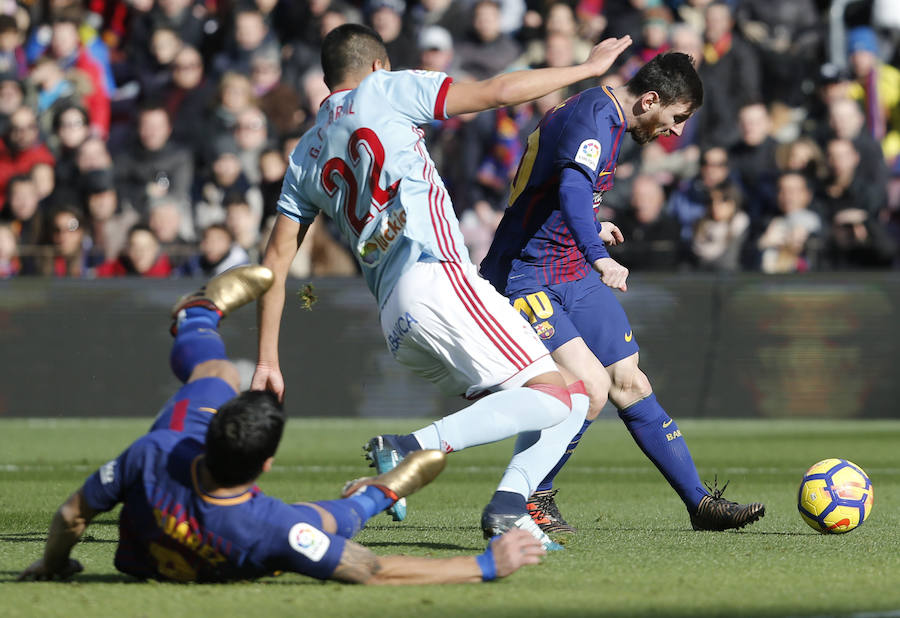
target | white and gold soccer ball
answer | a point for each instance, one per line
(835, 496)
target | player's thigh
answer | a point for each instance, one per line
(577, 360)
(192, 407)
(628, 383)
(450, 326)
(601, 321)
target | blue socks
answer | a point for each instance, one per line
(352, 513)
(547, 483)
(660, 439)
(196, 341)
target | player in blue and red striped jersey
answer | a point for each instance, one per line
(192, 510)
(548, 257)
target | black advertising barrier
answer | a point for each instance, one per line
(816, 345)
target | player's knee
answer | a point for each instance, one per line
(597, 390)
(558, 411)
(629, 383)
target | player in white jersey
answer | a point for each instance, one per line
(365, 164)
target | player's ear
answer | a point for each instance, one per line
(378, 64)
(649, 99)
(267, 464)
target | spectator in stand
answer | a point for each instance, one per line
(23, 210)
(251, 134)
(56, 90)
(452, 16)
(109, 224)
(251, 35)
(803, 155)
(437, 53)
(12, 54)
(218, 253)
(846, 121)
(12, 96)
(877, 88)
(753, 161)
(832, 84)
(157, 73)
(225, 178)
(654, 40)
(720, 235)
(68, 245)
(243, 224)
(188, 99)
(278, 101)
(154, 167)
(651, 236)
(858, 241)
(21, 149)
(10, 265)
(142, 257)
(386, 18)
(68, 52)
(234, 96)
(787, 37)
(790, 241)
(176, 15)
(847, 187)
(168, 223)
(689, 202)
(731, 74)
(70, 130)
(486, 51)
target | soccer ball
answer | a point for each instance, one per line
(835, 496)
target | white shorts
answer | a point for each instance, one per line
(452, 327)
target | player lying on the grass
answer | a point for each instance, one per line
(549, 260)
(191, 508)
(365, 164)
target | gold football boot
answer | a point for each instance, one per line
(226, 292)
(409, 476)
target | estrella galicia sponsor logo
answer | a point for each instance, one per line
(399, 331)
(544, 330)
(375, 247)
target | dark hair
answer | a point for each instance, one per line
(218, 226)
(235, 197)
(242, 435)
(673, 77)
(729, 191)
(14, 181)
(8, 23)
(141, 227)
(349, 48)
(57, 117)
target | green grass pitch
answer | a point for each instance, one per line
(635, 554)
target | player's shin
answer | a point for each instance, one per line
(197, 340)
(535, 454)
(661, 440)
(547, 483)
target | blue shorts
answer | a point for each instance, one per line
(585, 308)
(192, 407)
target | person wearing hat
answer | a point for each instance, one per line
(877, 88)
(436, 50)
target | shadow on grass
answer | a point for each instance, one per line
(421, 544)
(40, 537)
(677, 530)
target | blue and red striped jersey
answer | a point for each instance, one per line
(536, 238)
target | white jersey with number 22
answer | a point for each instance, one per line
(365, 165)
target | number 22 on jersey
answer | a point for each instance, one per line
(337, 168)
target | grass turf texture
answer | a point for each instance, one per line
(635, 553)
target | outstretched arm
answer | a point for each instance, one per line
(521, 86)
(280, 252)
(68, 524)
(510, 552)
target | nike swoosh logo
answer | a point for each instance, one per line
(667, 423)
(628, 337)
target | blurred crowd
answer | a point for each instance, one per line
(150, 137)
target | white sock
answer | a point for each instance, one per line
(496, 417)
(537, 452)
